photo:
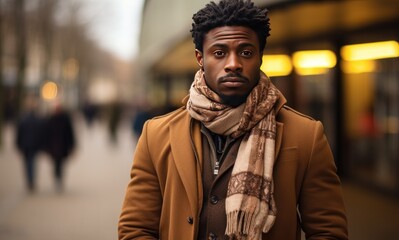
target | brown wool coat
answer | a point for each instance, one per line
(164, 197)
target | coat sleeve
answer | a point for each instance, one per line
(321, 203)
(141, 209)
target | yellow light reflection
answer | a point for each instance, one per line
(311, 71)
(49, 91)
(353, 67)
(370, 51)
(276, 65)
(314, 59)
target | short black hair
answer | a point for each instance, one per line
(230, 13)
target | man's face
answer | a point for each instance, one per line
(231, 60)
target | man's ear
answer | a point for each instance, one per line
(200, 58)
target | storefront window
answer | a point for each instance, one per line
(372, 121)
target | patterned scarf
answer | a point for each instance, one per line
(250, 205)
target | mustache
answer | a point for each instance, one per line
(233, 75)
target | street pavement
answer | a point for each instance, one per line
(88, 208)
(96, 177)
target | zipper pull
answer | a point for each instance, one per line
(216, 168)
(219, 145)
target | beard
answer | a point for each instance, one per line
(233, 101)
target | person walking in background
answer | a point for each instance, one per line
(29, 139)
(59, 140)
(89, 111)
(234, 162)
(140, 117)
(115, 115)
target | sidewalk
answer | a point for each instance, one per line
(89, 207)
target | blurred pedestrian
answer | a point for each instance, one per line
(59, 140)
(138, 121)
(29, 139)
(115, 115)
(89, 112)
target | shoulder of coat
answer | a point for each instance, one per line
(290, 110)
(171, 114)
(163, 121)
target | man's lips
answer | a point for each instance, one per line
(232, 81)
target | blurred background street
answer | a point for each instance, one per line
(88, 208)
(92, 71)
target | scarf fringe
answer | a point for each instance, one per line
(269, 223)
(239, 223)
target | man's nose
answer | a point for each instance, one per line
(233, 64)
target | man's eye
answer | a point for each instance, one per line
(218, 53)
(246, 53)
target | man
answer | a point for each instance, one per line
(234, 162)
(29, 139)
(59, 141)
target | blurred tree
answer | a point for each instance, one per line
(74, 49)
(21, 52)
(46, 25)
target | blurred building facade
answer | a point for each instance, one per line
(335, 60)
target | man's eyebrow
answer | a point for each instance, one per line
(223, 45)
(246, 44)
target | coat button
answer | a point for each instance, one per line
(214, 199)
(212, 236)
(190, 220)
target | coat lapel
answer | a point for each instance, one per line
(279, 136)
(186, 162)
(279, 125)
